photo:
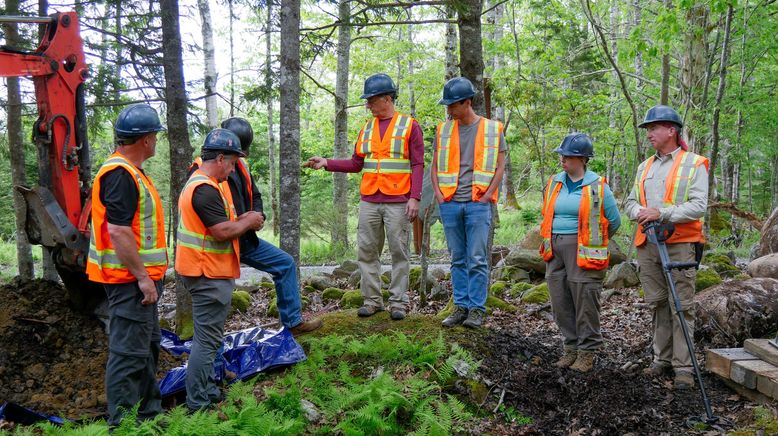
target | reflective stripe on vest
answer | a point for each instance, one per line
(592, 252)
(485, 153)
(103, 264)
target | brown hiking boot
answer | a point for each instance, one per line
(683, 379)
(306, 327)
(657, 369)
(567, 359)
(584, 362)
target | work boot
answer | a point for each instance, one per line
(475, 317)
(398, 314)
(584, 362)
(683, 379)
(366, 311)
(306, 327)
(567, 359)
(456, 318)
(657, 369)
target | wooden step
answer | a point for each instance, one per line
(767, 383)
(746, 372)
(719, 360)
(763, 349)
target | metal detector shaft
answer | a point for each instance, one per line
(667, 267)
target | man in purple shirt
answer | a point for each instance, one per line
(390, 154)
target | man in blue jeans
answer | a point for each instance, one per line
(256, 252)
(467, 168)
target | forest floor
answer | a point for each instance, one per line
(53, 360)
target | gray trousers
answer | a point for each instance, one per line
(133, 342)
(379, 221)
(669, 344)
(210, 306)
(575, 295)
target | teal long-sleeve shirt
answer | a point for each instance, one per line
(567, 205)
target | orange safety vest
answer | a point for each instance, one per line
(487, 147)
(677, 184)
(243, 166)
(148, 226)
(387, 166)
(198, 253)
(592, 224)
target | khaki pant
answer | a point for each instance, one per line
(575, 295)
(376, 222)
(669, 343)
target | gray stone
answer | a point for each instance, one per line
(623, 275)
(511, 274)
(310, 411)
(438, 274)
(617, 256)
(499, 252)
(765, 266)
(769, 240)
(321, 282)
(355, 279)
(532, 239)
(349, 265)
(528, 260)
(340, 273)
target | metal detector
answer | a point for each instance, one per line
(657, 234)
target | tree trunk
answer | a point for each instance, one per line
(339, 232)
(16, 152)
(452, 63)
(471, 59)
(411, 93)
(178, 132)
(637, 17)
(290, 127)
(271, 136)
(210, 76)
(693, 67)
(231, 10)
(719, 97)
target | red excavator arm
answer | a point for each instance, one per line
(58, 210)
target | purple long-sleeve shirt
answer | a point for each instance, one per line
(416, 151)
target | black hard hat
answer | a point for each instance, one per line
(660, 113)
(576, 144)
(137, 120)
(457, 89)
(223, 140)
(241, 128)
(378, 84)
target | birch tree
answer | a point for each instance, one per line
(209, 58)
(339, 232)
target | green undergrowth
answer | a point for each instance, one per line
(362, 376)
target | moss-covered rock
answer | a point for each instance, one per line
(272, 309)
(537, 295)
(476, 391)
(332, 294)
(722, 264)
(185, 328)
(719, 222)
(498, 289)
(496, 303)
(267, 284)
(519, 288)
(271, 295)
(705, 279)
(305, 301)
(351, 300)
(165, 324)
(446, 311)
(308, 289)
(385, 295)
(512, 274)
(241, 300)
(414, 280)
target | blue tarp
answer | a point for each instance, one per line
(243, 353)
(20, 415)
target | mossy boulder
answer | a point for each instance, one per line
(722, 264)
(385, 295)
(266, 284)
(332, 294)
(349, 265)
(272, 309)
(498, 289)
(305, 301)
(528, 260)
(321, 282)
(185, 328)
(241, 300)
(271, 295)
(497, 303)
(354, 279)
(351, 300)
(308, 289)
(623, 275)
(706, 278)
(386, 279)
(537, 295)
(341, 274)
(414, 280)
(519, 288)
(511, 274)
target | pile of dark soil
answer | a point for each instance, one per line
(52, 359)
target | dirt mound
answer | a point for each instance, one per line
(52, 359)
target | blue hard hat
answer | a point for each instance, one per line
(457, 89)
(223, 140)
(661, 113)
(576, 144)
(136, 120)
(242, 129)
(378, 84)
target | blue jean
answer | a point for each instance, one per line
(280, 265)
(466, 225)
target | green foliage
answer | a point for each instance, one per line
(705, 279)
(512, 415)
